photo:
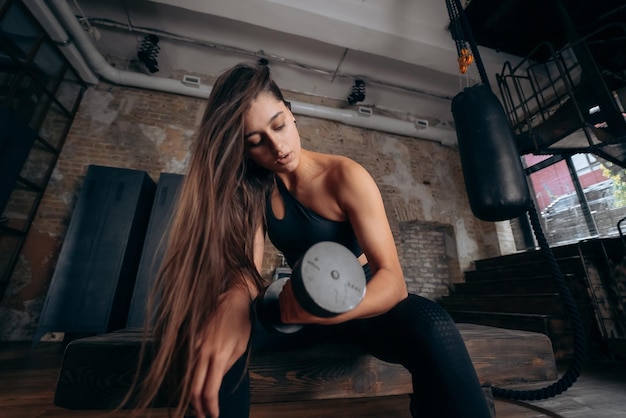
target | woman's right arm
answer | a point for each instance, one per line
(225, 340)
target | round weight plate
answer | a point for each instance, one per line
(328, 280)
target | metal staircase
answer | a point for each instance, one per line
(39, 97)
(561, 102)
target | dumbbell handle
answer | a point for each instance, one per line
(268, 308)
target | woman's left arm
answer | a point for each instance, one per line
(359, 197)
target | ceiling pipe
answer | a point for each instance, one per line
(376, 122)
(59, 36)
(101, 67)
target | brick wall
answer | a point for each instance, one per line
(429, 257)
(420, 181)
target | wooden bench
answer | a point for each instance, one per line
(96, 371)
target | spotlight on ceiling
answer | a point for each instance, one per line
(358, 92)
(148, 52)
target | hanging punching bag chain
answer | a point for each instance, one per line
(465, 56)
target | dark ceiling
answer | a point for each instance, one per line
(518, 26)
(538, 30)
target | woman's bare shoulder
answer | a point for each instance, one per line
(348, 169)
(345, 175)
(338, 166)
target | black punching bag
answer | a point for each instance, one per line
(494, 177)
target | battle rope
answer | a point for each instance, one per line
(580, 345)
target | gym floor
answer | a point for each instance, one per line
(28, 380)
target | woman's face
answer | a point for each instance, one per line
(272, 139)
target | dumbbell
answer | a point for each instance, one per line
(327, 281)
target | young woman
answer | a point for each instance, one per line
(249, 177)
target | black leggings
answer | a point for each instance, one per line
(416, 333)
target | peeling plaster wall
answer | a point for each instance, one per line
(151, 131)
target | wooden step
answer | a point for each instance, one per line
(556, 328)
(545, 324)
(613, 247)
(511, 286)
(576, 285)
(535, 256)
(567, 267)
(539, 303)
(96, 371)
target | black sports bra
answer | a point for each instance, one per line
(300, 228)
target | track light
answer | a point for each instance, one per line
(358, 92)
(148, 52)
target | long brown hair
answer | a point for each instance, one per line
(211, 238)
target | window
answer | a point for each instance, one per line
(577, 197)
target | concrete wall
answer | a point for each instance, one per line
(421, 183)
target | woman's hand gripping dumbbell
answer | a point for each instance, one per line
(327, 281)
